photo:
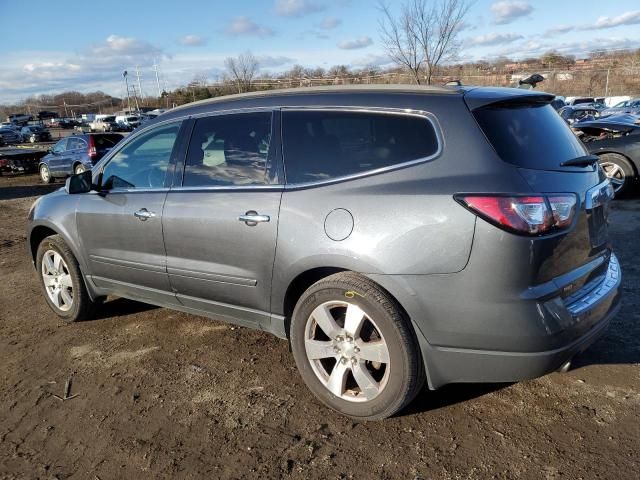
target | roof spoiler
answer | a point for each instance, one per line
(505, 98)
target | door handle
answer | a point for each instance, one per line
(252, 218)
(143, 214)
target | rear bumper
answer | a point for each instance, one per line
(502, 341)
(451, 365)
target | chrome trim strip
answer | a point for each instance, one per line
(125, 263)
(611, 280)
(212, 277)
(599, 194)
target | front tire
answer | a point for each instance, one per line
(45, 174)
(355, 348)
(618, 170)
(61, 280)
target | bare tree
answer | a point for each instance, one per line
(242, 69)
(424, 34)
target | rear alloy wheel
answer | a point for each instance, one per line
(354, 348)
(45, 174)
(79, 169)
(618, 171)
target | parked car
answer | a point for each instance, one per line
(628, 106)
(558, 102)
(10, 136)
(572, 114)
(129, 121)
(616, 142)
(104, 124)
(392, 234)
(83, 127)
(579, 100)
(75, 154)
(35, 134)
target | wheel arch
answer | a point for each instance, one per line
(43, 230)
(299, 284)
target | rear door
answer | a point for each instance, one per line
(220, 225)
(57, 157)
(121, 226)
(76, 148)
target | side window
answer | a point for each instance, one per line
(144, 162)
(323, 144)
(230, 149)
(60, 146)
(75, 143)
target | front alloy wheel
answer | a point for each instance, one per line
(62, 282)
(57, 280)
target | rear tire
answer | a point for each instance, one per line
(79, 168)
(61, 281)
(619, 171)
(354, 347)
(45, 174)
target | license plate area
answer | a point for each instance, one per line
(597, 207)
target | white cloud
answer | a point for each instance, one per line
(116, 45)
(245, 26)
(269, 61)
(192, 41)
(361, 42)
(297, 8)
(627, 18)
(507, 11)
(559, 30)
(493, 39)
(574, 47)
(372, 59)
(329, 23)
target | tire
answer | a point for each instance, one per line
(68, 279)
(619, 171)
(45, 174)
(79, 168)
(376, 380)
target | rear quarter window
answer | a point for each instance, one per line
(320, 145)
(529, 136)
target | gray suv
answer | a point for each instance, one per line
(394, 235)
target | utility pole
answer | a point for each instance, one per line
(606, 88)
(155, 69)
(138, 76)
(126, 84)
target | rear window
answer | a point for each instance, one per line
(529, 136)
(321, 145)
(106, 141)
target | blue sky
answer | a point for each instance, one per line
(67, 46)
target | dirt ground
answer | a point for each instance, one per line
(162, 394)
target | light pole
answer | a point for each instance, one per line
(126, 84)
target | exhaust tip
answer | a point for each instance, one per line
(564, 368)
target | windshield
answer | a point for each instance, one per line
(529, 136)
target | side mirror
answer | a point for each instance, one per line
(79, 183)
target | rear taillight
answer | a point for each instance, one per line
(528, 215)
(91, 151)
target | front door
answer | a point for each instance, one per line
(220, 225)
(121, 226)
